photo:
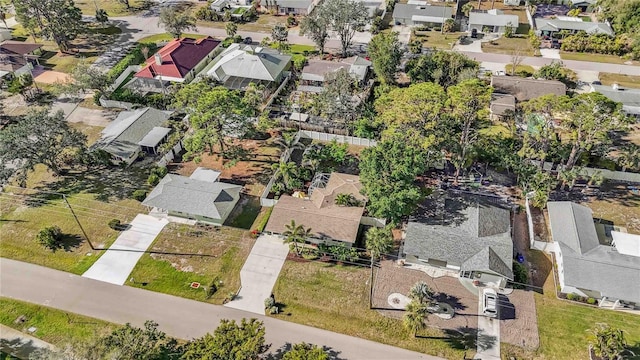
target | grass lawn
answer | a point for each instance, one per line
(212, 254)
(95, 201)
(113, 7)
(435, 39)
(92, 132)
(167, 37)
(629, 81)
(563, 326)
(520, 69)
(508, 46)
(613, 59)
(53, 326)
(336, 298)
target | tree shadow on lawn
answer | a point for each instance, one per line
(277, 354)
(68, 243)
(464, 338)
(17, 347)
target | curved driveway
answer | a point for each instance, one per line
(178, 317)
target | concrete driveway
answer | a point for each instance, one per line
(259, 273)
(488, 328)
(115, 265)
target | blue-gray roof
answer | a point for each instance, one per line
(472, 235)
(587, 263)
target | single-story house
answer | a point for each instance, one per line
(222, 5)
(501, 105)
(549, 27)
(526, 89)
(590, 266)
(290, 7)
(180, 60)
(328, 221)
(313, 74)
(17, 57)
(583, 5)
(240, 64)
(629, 98)
(200, 197)
(467, 236)
(417, 15)
(495, 21)
(134, 131)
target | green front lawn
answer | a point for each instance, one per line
(563, 326)
(167, 37)
(203, 255)
(629, 81)
(53, 326)
(509, 46)
(612, 59)
(336, 298)
(436, 39)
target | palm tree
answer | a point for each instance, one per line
(286, 173)
(608, 343)
(344, 199)
(466, 8)
(378, 241)
(569, 177)
(422, 293)
(296, 234)
(288, 142)
(414, 318)
(629, 157)
(595, 179)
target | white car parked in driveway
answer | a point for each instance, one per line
(490, 303)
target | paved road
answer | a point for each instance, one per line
(260, 273)
(178, 317)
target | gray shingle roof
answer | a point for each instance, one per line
(559, 24)
(406, 11)
(483, 18)
(123, 134)
(526, 89)
(250, 62)
(587, 263)
(177, 193)
(473, 236)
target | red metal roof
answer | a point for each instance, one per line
(178, 57)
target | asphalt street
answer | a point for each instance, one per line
(178, 317)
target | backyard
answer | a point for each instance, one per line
(183, 254)
(336, 298)
(95, 201)
(53, 326)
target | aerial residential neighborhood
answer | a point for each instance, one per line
(320, 179)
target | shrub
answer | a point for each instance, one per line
(50, 237)
(96, 97)
(135, 57)
(520, 275)
(160, 171)
(114, 224)
(213, 287)
(571, 296)
(269, 302)
(139, 194)
(274, 310)
(299, 61)
(591, 301)
(291, 21)
(153, 179)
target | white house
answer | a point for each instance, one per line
(417, 15)
(590, 265)
(494, 21)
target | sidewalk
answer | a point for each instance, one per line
(19, 344)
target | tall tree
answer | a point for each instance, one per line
(540, 136)
(286, 175)
(443, 67)
(378, 241)
(134, 343)
(59, 19)
(415, 109)
(469, 103)
(38, 138)
(467, 8)
(86, 77)
(304, 351)
(388, 172)
(317, 28)
(345, 17)
(231, 28)
(280, 35)
(230, 341)
(216, 114)
(296, 234)
(557, 71)
(338, 101)
(175, 21)
(590, 119)
(385, 53)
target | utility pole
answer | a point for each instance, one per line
(64, 197)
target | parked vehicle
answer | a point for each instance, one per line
(489, 303)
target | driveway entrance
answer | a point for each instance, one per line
(116, 264)
(259, 273)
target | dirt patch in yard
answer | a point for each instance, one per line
(252, 172)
